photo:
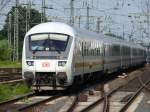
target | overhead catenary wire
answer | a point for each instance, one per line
(81, 21)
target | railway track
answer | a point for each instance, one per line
(73, 105)
(9, 77)
(135, 95)
(102, 99)
(17, 98)
(105, 102)
(6, 105)
(25, 107)
(92, 105)
(12, 81)
(106, 97)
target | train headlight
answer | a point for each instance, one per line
(62, 63)
(30, 63)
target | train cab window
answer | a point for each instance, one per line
(48, 42)
(39, 42)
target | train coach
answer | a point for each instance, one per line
(56, 55)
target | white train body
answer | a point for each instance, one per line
(54, 54)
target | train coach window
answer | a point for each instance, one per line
(84, 48)
(97, 49)
(126, 50)
(88, 48)
(79, 46)
(109, 50)
(134, 50)
(141, 52)
(115, 50)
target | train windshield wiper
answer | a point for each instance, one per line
(59, 51)
(36, 49)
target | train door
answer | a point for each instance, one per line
(131, 55)
(83, 60)
(78, 58)
(103, 56)
(106, 57)
(121, 58)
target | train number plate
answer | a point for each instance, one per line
(45, 64)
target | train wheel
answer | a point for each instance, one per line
(29, 82)
(36, 91)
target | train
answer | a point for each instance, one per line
(56, 55)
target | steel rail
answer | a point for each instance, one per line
(148, 89)
(12, 81)
(39, 102)
(73, 105)
(6, 78)
(125, 107)
(9, 74)
(88, 108)
(17, 98)
(106, 103)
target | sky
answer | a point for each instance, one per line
(116, 16)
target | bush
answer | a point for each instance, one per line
(9, 91)
(5, 50)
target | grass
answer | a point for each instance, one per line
(10, 64)
(9, 91)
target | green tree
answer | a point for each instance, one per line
(5, 50)
(35, 19)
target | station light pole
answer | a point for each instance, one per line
(72, 12)
(16, 33)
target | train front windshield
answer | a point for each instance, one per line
(48, 42)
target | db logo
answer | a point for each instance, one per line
(45, 64)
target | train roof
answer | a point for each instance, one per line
(86, 34)
(54, 27)
(58, 27)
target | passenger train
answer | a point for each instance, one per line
(55, 55)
